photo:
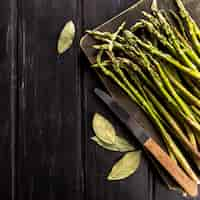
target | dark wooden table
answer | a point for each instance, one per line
(46, 108)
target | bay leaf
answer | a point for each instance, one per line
(126, 166)
(66, 37)
(103, 129)
(120, 145)
(123, 145)
(110, 147)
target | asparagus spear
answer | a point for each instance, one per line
(132, 67)
(150, 27)
(188, 49)
(186, 93)
(170, 88)
(183, 42)
(110, 74)
(180, 43)
(167, 57)
(168, 29)
(193, 28)
(137, 82)
(174, 40)
(196, 111)
(152, 19)
(137, 26)
(181, 103)
(192, 86)
(179, 22)
(177, 131)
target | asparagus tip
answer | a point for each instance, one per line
(154, 5)
(88, 31)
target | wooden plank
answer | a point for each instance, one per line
(49, 144)
(98, 162)
(8, 21)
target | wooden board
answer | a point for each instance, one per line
(47, 103)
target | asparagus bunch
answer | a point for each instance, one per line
(158, 66)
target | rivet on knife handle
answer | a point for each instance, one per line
(172, 168)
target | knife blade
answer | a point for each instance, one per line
(149, 144)
(124, 116)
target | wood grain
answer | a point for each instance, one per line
(8, 86)
(49, 164)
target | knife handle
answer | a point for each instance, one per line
(172, 168)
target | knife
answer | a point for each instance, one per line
(149, 144)
(122, 99)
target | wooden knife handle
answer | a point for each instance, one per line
(172, 168)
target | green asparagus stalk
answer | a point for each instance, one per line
(197, 31)
(192, 86)
(181, 103)
(137, 26)
(169, 31)
(170, 88)
(180, 43)
(114, 35)
(159, 36)
(155, 51)
(140, 86)
(110, 74)
(137, 82)
(183, 42)
(193, 100)
(197, 118)
(191, 25)
(130, 66)
(188, 49)
(152, 19)
(196, 111)
(177, 131)
(174, 40)
(179, 22)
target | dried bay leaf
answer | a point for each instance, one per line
(110, 147)
(66, 37)
(103, 129)
(126, 166)
(121, 144)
